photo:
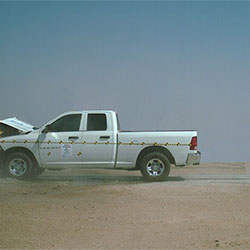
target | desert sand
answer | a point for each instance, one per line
(199, 207)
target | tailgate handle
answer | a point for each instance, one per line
(73, 137)
(104, 137)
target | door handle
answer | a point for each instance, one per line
(73, 137)
(104, 137)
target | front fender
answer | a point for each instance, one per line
(26, 143)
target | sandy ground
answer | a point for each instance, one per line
(199, 207)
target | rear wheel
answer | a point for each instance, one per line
(18, 165)
(155, 166)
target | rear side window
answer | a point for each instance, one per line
(67, 123)
(97, 122)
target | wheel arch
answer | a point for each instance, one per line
(22, 150)
(151, 149)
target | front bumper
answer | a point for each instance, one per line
(194, 158)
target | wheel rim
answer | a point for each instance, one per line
(17, 167)
(155, 167)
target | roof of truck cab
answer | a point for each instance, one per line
(98, 111)
(88, 111)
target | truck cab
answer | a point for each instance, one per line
(79, 139)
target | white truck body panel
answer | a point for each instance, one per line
(160, 137)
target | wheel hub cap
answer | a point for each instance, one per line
(17, 167)
(155, 167)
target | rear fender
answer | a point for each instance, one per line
(150, 149)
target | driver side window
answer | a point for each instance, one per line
(66, 123)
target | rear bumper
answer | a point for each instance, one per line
(194, 159)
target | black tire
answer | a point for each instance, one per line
(1, 173)
(18, 165)
(37, 171)
(155, 166)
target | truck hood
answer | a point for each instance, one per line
(20, 125)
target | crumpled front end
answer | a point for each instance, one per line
(13, 126)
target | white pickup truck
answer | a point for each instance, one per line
(93, 139)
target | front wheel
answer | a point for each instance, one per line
(155, 166)
(18, 165)
(37, 171)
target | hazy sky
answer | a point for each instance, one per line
(160, 65)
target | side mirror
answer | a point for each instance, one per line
(47, 129)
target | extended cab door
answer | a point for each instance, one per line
(100, 147)
(61, 144)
